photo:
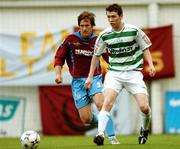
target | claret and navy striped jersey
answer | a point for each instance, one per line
(125, 47)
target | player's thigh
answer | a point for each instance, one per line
(112, 81)
(141, 99)
(135, 84)
(110, 96)
(98, 99)
(143, 102)
(80, 95)
(96, 86)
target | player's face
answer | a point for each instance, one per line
(86, 28)
(114, 19)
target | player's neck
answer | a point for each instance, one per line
(119, 28)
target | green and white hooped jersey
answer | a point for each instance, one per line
(125, 47)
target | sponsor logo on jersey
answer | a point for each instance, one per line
(83, 52)
(76, 43)
(121, 50)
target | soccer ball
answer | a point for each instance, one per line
(30, 139)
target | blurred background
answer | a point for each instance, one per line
(30, 33)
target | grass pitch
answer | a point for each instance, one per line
(84, 142)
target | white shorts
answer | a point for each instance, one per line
(132, 81)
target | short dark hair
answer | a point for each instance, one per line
(87, 15)
(116, 8)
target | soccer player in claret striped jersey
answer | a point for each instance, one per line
(127, 45)
(77, 49)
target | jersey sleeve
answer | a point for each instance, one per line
(143, 40)
(61, 53)
(106, 56)
(100, 46)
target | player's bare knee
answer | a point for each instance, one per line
(86, 120)
(108, 106)
(145, 109)
(99, 106)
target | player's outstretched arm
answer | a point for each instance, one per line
(94, 62)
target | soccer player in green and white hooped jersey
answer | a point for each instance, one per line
(127, 46)
(124, 52)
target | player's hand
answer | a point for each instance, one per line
(88, 83)
(58, 79)
(152, 71)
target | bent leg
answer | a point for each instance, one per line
(110, 130)
(104, 116)
(86, 115)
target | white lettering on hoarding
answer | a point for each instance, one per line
(174, 102)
